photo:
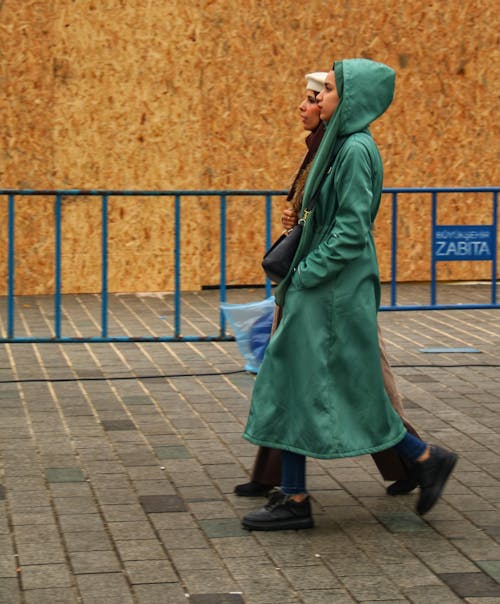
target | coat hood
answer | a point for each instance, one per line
(368, 90)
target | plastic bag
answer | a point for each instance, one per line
(251, 324)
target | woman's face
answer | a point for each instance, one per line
(309, 111)
(328, 99)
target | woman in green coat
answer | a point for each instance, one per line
(319, 391)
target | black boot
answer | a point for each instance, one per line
(252, 489)
(280, 513)
(403, 487)
(432, 475)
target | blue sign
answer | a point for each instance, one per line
(458, 242)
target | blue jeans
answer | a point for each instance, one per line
(410, 447)
(293, 473)
(293, 465)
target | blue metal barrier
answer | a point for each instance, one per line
(462, 243)
(492, 256)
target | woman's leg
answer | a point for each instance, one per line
(293, 473)
(289, 507)
(391, 465)
(266, 474)
(411, 447)
(433, 466)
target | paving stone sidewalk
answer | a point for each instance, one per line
(118, 462)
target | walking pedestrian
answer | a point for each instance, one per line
(319, 391)
(266, 472)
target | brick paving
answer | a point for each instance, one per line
(118, 461)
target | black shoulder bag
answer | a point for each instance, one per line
(278, 258)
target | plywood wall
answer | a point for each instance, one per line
(164, 94)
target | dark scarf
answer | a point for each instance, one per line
(297, 189)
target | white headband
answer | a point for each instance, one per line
(316, 81)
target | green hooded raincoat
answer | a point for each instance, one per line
(319, 391)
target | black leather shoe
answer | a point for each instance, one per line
(279, 514)
(432, 475)
(403, 487)
(252, 489)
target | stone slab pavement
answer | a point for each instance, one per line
(118, 462)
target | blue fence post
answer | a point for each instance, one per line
(433, 254)
(57, 293)
(177, 266)
(11, 268)
(394, 247)
(495, 252)
(104, 269)
(223, 260)
(268, 238)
